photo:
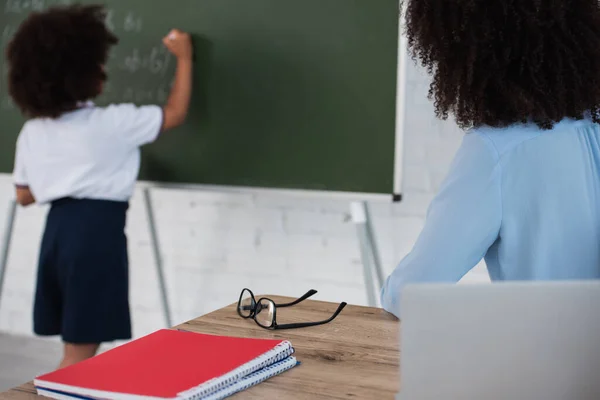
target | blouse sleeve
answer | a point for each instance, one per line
(462, 222)
(133, 125)
(19, 170)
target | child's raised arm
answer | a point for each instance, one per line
(175, 111)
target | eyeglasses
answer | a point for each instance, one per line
(264, 311)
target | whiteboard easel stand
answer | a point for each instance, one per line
(368, 250)
(157, 256)
(373, 245)
(360, 211)
(8, 232)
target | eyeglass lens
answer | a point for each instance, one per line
(265, 313)
(246, 303)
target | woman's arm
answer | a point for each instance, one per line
(463, 221)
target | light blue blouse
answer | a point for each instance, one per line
(525, 199)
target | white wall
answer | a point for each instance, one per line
(215, 244)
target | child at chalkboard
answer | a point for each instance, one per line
(83, 161)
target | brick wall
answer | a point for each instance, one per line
(214, 244)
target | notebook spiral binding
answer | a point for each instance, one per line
(278, 353)
(255, 378)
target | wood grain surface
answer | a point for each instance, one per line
(355, 356)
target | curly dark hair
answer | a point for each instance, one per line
(56, 59)
(500, 62)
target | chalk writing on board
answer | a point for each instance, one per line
(139, 61)
(19, 6)
(156, 61)
(132, 23)
(159, 60)
(110, 95)
(26, 6)
(7, 33)
(109, 19)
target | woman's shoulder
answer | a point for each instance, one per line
(506, 139)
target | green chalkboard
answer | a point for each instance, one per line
(287, 93)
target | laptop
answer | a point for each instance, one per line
(501, 341)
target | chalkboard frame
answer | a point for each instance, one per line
(393, 188)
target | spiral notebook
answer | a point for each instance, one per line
(171, 364)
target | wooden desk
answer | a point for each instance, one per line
(355, 356)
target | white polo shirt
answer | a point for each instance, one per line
(91, 153)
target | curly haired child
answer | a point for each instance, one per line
(83, 161)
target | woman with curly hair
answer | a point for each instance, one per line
(83, 160)
(523, 78)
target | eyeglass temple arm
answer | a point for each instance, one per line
(307, 324)
(308, 294)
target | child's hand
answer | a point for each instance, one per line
(180, 44)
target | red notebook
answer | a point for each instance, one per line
(171, 364)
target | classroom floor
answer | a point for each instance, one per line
(22, 358)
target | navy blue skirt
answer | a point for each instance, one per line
(82, 288)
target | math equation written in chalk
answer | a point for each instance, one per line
(149, 65)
